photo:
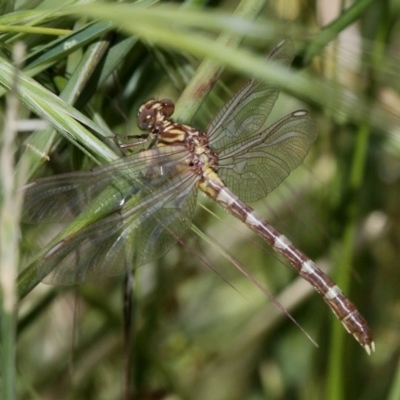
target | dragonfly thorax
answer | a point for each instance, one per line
(153, 116)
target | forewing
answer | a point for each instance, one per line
(145, 229)
(248, 110)
(254, 167)
(62, 198)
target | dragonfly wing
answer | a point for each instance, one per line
(256, 166)
(61, 198)
(248, 110)
(144, 230)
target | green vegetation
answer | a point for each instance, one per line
(86, 67)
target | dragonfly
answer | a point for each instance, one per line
(136, 208)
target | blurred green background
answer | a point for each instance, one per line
(195, 335)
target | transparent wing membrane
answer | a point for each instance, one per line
(140, 232)
(255, 166)
(61, 198)
(246, 113)
(254, 160)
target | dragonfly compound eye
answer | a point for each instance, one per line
(167, 107)
(146, 118)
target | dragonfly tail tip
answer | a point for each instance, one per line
(369, 348)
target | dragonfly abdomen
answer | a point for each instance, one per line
(341, 306)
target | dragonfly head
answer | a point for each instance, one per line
(154, 111)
